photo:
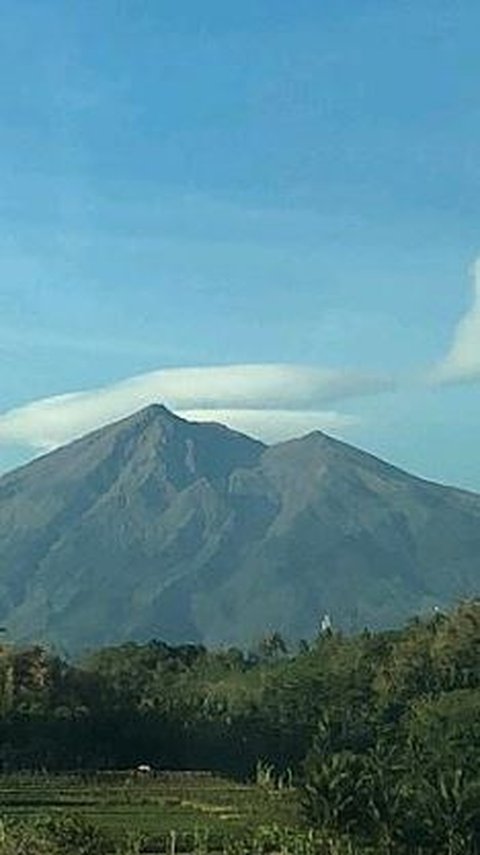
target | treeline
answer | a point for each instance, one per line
(381, 731)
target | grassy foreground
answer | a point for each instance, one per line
(194, 806)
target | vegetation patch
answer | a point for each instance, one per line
(363, 744)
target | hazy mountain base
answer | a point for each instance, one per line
(155, 526)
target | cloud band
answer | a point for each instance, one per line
(272, 401)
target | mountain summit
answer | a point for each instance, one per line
(156, 526)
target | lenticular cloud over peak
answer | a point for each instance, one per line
(273, 401)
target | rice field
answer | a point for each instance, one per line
(168, 811)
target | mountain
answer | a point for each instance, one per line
(159, 527)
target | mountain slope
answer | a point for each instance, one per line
(155, 526)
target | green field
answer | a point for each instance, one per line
(192, 806)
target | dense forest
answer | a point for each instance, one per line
(380, 731)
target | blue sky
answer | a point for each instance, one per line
(289, 186)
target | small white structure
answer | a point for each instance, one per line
(325, 623)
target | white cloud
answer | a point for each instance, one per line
(462, 362)
(269, 400)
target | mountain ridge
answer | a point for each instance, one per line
(157, 526)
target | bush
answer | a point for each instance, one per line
(66, 835)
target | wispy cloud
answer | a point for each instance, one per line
(462, 362)
(272, 401)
